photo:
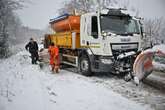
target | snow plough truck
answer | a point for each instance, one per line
(104, 41)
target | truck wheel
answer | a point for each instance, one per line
(84, 66)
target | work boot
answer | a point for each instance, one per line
(32, 62)
(53, 69)
(57, 71)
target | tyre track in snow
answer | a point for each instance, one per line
(143, 94)
(157, 80)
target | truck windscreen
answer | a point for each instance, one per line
(119, 25)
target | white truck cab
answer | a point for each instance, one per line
(112, 39)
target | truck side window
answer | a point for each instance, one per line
(94, 32)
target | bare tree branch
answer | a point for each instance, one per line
(84, 6)
(154, 29)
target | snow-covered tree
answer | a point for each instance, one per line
(154, 28)
(7, 8)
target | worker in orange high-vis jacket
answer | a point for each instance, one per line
(54, 57)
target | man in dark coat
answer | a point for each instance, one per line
(32, 47)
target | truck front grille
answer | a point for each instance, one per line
(118, 48)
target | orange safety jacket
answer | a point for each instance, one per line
(54, 55)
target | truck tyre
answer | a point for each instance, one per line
(84, 66)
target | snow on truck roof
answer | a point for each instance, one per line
(114, 12)
(107, 11)
(120, 12)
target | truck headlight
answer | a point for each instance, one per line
(106, 61)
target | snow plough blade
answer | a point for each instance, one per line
(143, 65)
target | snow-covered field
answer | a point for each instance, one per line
(27, 87)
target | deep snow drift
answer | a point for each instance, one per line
(26, 87)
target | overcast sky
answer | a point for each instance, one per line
(37, 14)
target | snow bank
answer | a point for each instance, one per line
(25, 87)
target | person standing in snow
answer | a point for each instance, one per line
(32, 47)
(54, 57)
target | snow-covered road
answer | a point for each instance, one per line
(26, 87)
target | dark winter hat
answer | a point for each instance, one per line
(31, 38)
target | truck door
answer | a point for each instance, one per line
(90, 38)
